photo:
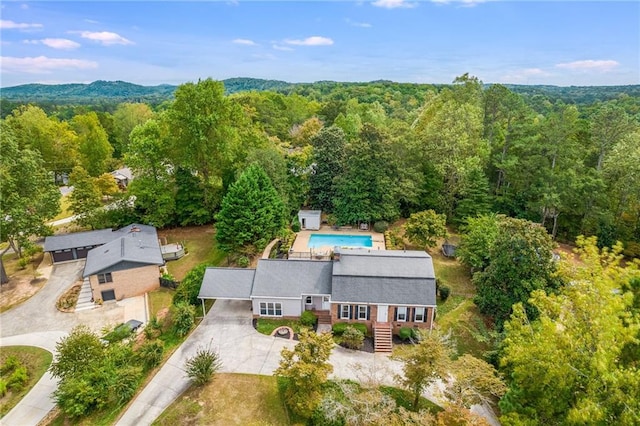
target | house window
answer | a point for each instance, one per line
(418, 315)
(345, 311)
(401, 314)
(271, 309)
(309, 300)
(105, 278)
(362, 312)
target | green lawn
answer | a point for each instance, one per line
(200, 245)
(159, 299)
(229, 399)
(65, 210)
(266, 325)
(37, 362)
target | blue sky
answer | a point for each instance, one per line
(535, 42)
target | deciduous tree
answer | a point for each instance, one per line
(424, 228)
(93, 143)
(328, 164)
(85, 199)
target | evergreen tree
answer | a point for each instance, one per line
(328, 163)
(475, 196)
(251, 213)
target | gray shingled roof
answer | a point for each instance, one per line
(384, 263)
(291, 278)
(393, 291)
(79, 239)
(310, 212)
(136, 244)
(227, 283)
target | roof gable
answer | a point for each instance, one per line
(291, 278)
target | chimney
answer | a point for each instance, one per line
(336, 254)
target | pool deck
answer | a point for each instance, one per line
(302, 240)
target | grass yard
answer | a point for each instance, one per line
(468, 328)
(36, 361)
(230, 399)
(266, 325)
(159, 299)
(65, 210)
(200, 245)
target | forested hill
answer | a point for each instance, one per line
(121, 91)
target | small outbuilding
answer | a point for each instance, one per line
(310, 219)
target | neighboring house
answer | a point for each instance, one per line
(120, 264)
(383, 289)
(123, 177)
(310, 219)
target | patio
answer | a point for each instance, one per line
(301, 244)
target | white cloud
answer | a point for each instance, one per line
(358, 24)
(590, 65)
(244, 41)
(311, 41)
(43, 64)
(10, 25)
(91, 21)
(526, 75)
(104, 37)
(394, 4)
(283, 48)
(24, 6)
(55, 43)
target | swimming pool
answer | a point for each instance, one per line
(333, 240)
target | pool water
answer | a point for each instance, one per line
(323, 240)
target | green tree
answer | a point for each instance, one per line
(305, 370)
(76, 353)
(609, 125)
(477, 240)
(125, 118)
(189, 287)
(424, 228)
(183, 316)
(154, 185)
(473, 382)
(95, 150)
(368, 189)
(423, 364)
(252, 213)
(328, 162)
(189, 199)
(521, 261)
(85, 199)
(29, 196)
(107, 185)
(475, 199)
(566, 367)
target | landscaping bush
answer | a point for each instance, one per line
(202, 366)
(353, 338)
(405, 333)
(295, 225)
(243, 262)
(117, 334)
(340, 327)
(18, 378)
(444, 293)
(381, 226)
(10, 364)
(308, 318)
(153, 329)
(3, 388)
(189, 287)
(183, 316)
(150, 354)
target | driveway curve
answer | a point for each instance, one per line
(37, 403)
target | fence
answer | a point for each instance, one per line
(293, 255)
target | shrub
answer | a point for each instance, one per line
(340, 327)
(18, 378)
(189, 287)
(153, 328)
(10, 364)
(353, 338)
(23, 262)
(150, 354)
(405, 333)
(202, 366)
(308, 318)
(444, 293)
(183, 316)
(243, 261)
(117, 334)
(381, 226)
(3, 387)
(295, 225)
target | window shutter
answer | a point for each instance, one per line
(395, 316)
(368, 313)
(413, 314)
(339, 311)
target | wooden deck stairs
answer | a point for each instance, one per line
(382, 337)
(324, 317)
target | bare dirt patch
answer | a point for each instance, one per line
(23, 283)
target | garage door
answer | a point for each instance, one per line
(108, 295)
(62, 255)
(82, 252)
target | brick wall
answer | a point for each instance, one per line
(396, 325)
(129, 282)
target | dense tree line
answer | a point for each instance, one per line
(362, 152)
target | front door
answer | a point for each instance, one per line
(326, 303)
(383, 313)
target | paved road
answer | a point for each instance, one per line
(37, 403)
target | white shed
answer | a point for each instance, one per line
(309, 219)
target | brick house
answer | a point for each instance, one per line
(383, 289)
(119, 264)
